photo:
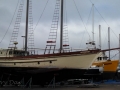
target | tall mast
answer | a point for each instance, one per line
(119, 47)
(26, 28)
(93, 21)
(61, 27)
(100, 36)
(109, 41)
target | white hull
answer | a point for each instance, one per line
(68, 61)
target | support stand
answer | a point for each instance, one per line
(28, 84)
(1, 81)
(52, 82)
(22, 82)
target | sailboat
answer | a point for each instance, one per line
(63, 65)
(109, 66)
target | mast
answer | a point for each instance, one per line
(61, 27)
(26, 28)
(109, 41)
(93, 21)
(100, 36)
(119, 47)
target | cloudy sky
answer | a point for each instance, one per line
(79, 21)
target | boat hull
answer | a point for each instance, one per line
(109, 68)
(64, 67)
(108, 75)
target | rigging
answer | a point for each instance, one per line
(81, 18)
(10, 22)
(103, 18)
(39, 18)
(16, 25)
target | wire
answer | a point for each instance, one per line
(89, 15)
(39, 18)
(103, 18)
(82, 22)
(10, 23)
(114, 55)
(81, 17)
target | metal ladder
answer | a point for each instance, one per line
(16, 26)
(30, 30)
(51, 43)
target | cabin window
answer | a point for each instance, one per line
(10, 52)
(99, 58)
(15, 52)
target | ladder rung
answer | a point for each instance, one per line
(52, 35)
(65, 38)
(56, 16)
(66, 48)
(50, 45)
(51, 38)
(53, 32)
(53, 29)
(65, 45)
(51, 41)
(54, 24)
(54, 21)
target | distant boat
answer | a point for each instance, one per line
(109, 68)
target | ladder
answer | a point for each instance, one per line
(51, 43)
(16, 26)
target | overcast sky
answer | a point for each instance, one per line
(106, 14)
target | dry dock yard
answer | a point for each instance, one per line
(65, 87)
(107, 85)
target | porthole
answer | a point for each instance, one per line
(38, 62)
(50, 61)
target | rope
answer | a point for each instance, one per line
(81, 17)
(39, 18)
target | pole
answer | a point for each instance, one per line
(93, 21)
(119, 47)
(109, 41)
(61, 27)
(26, 29)
(100, 36)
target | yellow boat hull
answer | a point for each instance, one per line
(109, 68)
(109, 65)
